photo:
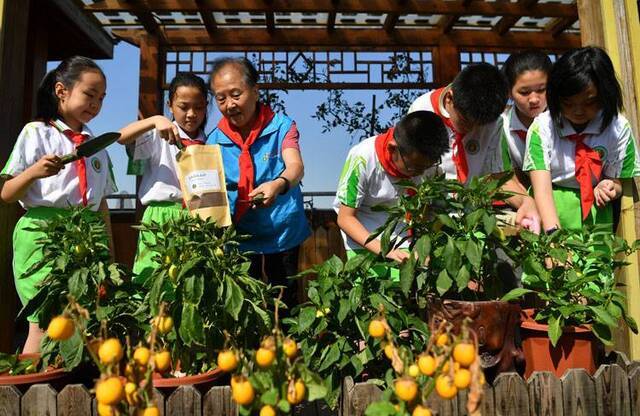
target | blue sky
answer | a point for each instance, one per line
(323, 154)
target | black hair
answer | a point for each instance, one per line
(422, 132)
(572, 74)
(188, 79)
(249, 72)
(480, 93)
(521, 62)
(68, 72)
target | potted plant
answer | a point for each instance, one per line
(76, 253)
(203, 280)
(571, 274)
(333, 323)
(461, 260)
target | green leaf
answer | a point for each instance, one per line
(233, 303)
(489, 222)
(407, 275)
(191, 328)
(284, 406)
(78, 283)
(316, 391)
(462, 278)
(603, 316)
(331, 357)
(71, 351)
(193, 289)
(603, 332)
(344, 309)
(472, 219)
(305, 318)
(444, 282)
(451, 257)
(555, 329)
(516, 293)
(473, 254)
(270, 397)
(381, 408)
(423, 248)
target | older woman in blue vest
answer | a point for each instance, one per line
(262, 160)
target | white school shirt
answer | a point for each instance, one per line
(160, 179)
(511, 124)
(38, 139)
(364, 184)
(548, 149)
(485, 150)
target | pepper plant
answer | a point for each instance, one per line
(572, 274)
(455, 238)
(77, 256)
(203, 278)
(332, 324)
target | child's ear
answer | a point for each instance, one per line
(169, 107)
(392, 145)
(60, 91)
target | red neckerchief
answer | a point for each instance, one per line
(384, 156)
(458, 154)
(588, 164)
(186, 142)
(247, 170)
(81, 165)
(522, 134)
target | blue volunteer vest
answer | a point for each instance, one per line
(283, 225)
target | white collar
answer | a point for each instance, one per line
(514, 121)
(62, 127)
(592, 128)
(183, 134)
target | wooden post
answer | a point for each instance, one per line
(150, 89)
(14, 22)
(614, 26)
(447, 63)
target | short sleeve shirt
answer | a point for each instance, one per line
(514, 135)
(548, 149)
(364, 184)
(160, 179)
(38, 139)
(485, 148)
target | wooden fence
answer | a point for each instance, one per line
(614, 390)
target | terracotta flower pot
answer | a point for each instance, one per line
(576, 348)
(57, 377)
(202, 382)
(494, 323)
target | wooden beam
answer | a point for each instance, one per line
(351, 6)
(505, 23)
(271, 21)
(145, 17)
(591, 17)
(390, 22)
(331, 21)
(446, 63)
(352, 39)
(14, 24)
(87, 26)
(446, 23)
(557, 26)
(207, 18)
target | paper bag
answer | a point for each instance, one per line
(201, 175)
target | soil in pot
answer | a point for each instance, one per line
(494, 323)
(576, 348)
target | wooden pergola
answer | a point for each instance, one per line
(448, 30)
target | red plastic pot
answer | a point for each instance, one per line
(55, 376)
(202, 382)
(576, 348)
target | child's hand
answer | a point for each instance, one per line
(604, 192)
(166, 129)
(398, 255)
(48, 165)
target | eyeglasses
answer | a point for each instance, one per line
(416, 170)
